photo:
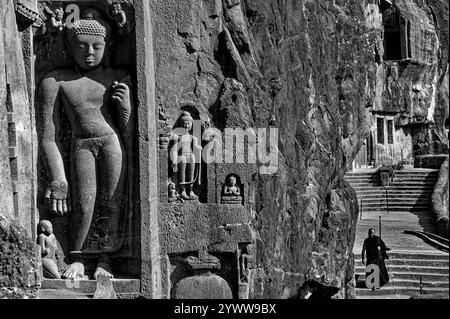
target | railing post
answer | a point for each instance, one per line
(421, 284)
(379, 225)
(387, 199)
(361, 209)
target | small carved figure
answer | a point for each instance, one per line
(231, 192)
(119, 15)
(57, 19)
(185, 154)
(48, 244)
(98, 104)
(243, 267)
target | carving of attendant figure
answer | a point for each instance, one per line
(184, 155)
(231, 192)
(96, 99)
(173, 194)
(47, 242)
(119, 15)
(57, 19)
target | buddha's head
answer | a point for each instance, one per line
(232, 181)
(88, 39)
(187, 121)
(45, 227)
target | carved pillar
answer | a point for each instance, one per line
(6, 200)
(17, 102)
(149, 230)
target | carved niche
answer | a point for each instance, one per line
(86, 132)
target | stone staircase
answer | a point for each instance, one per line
(411, 258)
(410, 190)
(406, 269)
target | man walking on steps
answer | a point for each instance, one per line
(376, 254)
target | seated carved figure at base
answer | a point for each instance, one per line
(48, 245)
(231, 192)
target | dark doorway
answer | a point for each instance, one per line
(392, 44)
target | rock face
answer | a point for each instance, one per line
(19, 274)
(315, 70)
(412, 81)
(440, 201)
(306, 67)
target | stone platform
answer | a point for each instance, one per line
(85, 289)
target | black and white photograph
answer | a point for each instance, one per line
(226, 157)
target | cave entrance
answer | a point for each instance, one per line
(396, 35)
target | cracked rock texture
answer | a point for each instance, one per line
(19, 275)
(313, 69)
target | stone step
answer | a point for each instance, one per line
(62, 294)
(380, 199)
(421, 181)
(386, 297)
(412, 187)
(89, 286)
(396, 282)
(395, 204)
(382, 208)
(69, 294)
(431, 239)
(409, 291)
(413, 256)
(401, 189)
(396, 189)
(396, 176)
(419, 264)
(380, 195)
(418, 194)
(370, 219)
(373, 179)
(410, 268)
(395, 200)
(409, 276)
(396, 172)
(395, 195)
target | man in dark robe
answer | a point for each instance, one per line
(376, 254)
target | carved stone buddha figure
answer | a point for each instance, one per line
(231, 192)
(185, 154)
(96, 99)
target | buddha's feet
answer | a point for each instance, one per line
(183, 195)
(103, 269)
(75, 271)
(192, 196)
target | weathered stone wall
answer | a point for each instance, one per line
(315, 70)
(306, 67)
(17, 134)
(416, 89)
(440, 201)
(19, 271)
